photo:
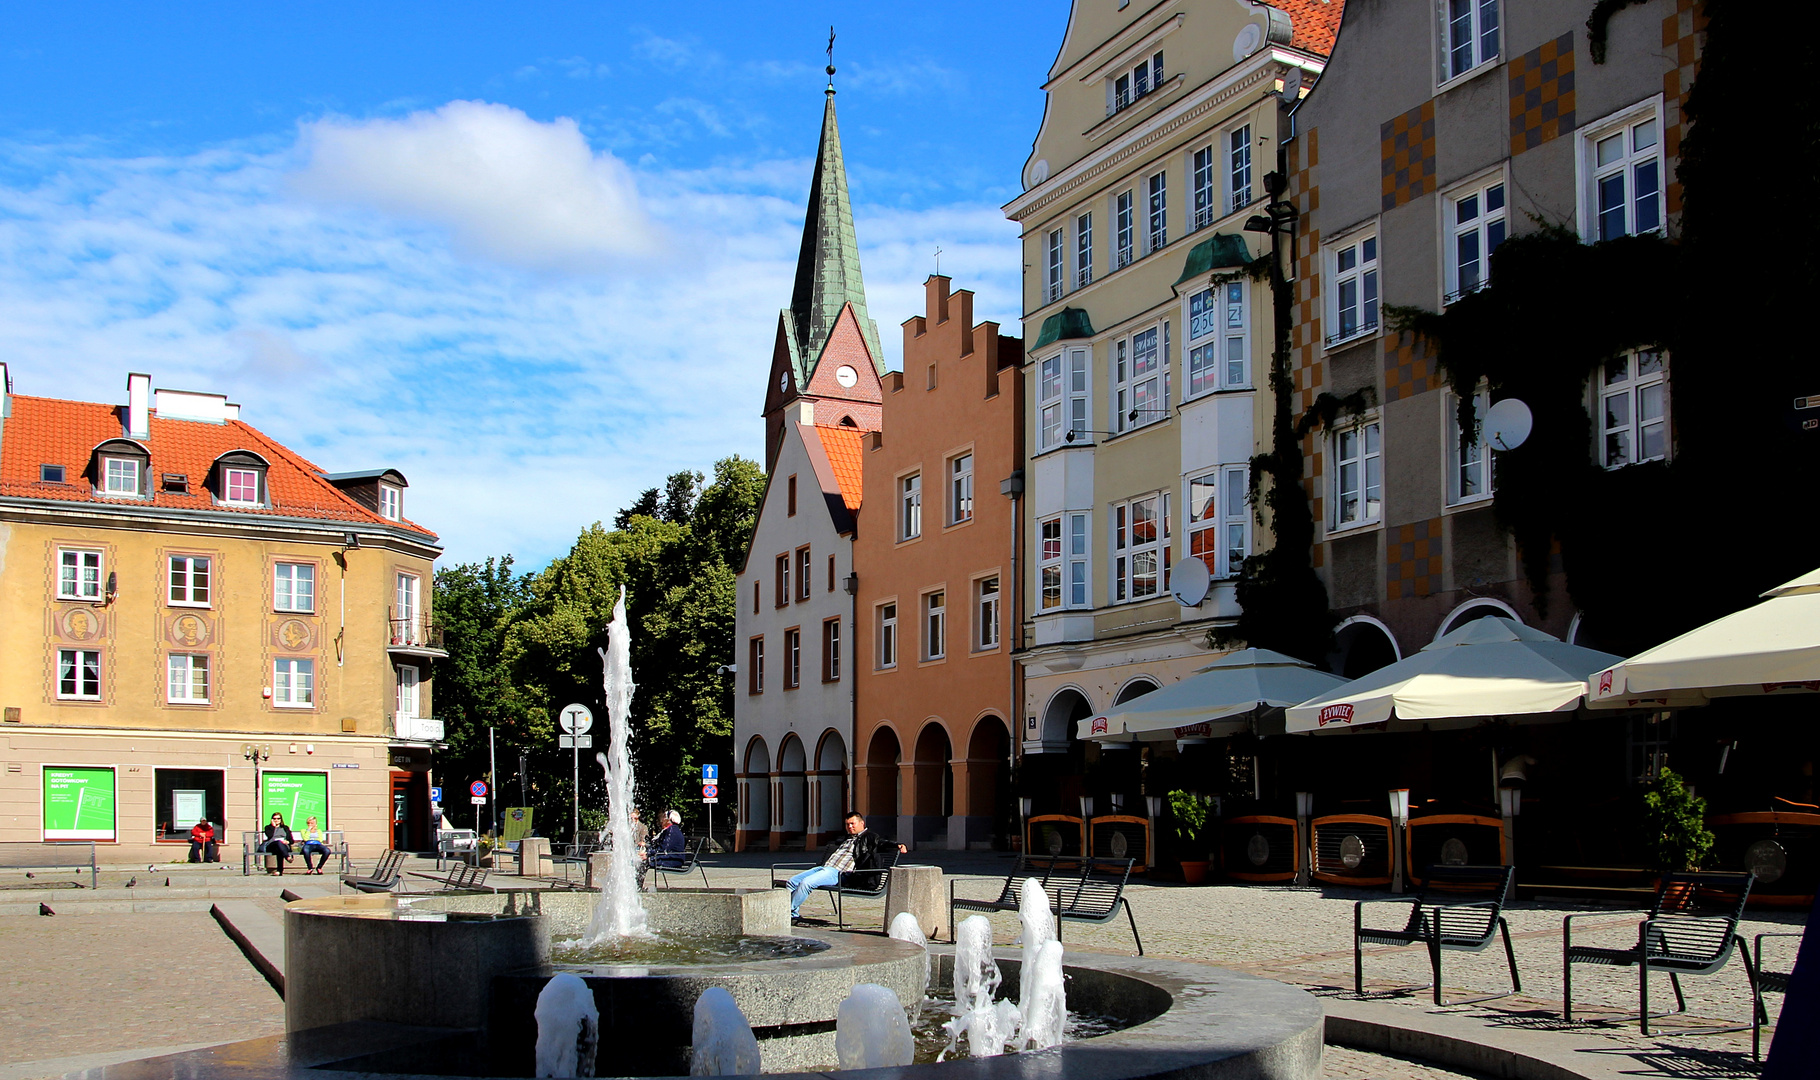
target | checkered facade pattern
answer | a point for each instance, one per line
(1681, 40)
(1408, 152)
(1542, 94)
(1413, 564)
(1304, 154)
(1408, 369)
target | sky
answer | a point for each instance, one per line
(531, 255)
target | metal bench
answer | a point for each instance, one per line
(1458, 909)
(461, 876)
(1690, 930)
(1772, 982)
(57, 855)
(460, 845)
(252, 846)
(690, 864)
(866, 884)
(1085, 891)
(383, 878)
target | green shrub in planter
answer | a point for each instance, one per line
(1190, 812)
(1674, 824)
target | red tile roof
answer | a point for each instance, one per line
(1316, 22)
(845, 454)
(51, 431)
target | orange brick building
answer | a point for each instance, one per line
(936, 606)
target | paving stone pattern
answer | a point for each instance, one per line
(1342, 1063)
(84, 984)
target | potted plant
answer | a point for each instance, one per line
(1190, 811)
(1674, 824)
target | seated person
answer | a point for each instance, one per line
(315, 842)
(667, 849)
(859, 851)
(278, 841)
(202, 843)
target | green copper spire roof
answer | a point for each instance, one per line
(827, 267)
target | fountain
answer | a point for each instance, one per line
(619, 915)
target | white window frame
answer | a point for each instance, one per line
(1064, 398)
(84, 668)
(391, 502)
(831, 650)
(1591, 174)
(934, 613)
(1483, 231)
(1083, 250)
(407, 698)
(1156, 211)
(1469, 464)
(1140, 396)
(1633, 388)
(129, 471)
(909, 506)
(1238, 172)
(793, 657)
(1064, 561)
(1219, 338)
(1131, 550)
(1368, 435)
(407, 597)
(181, 684)
(1481, 23)
(1219, 519)
(1128, 86)
(1203, 187)
(1363, 275)
(1124, 218)
(188, 575)
(294, 682)
(1055, 265)
(280, 602)
(232, 476)
(81, 574)
(960, 488)
(886, 620)
(986, 606)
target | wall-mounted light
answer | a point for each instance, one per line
(852, 584)
(1510, 801)
(350, 541)
(1399, 806)
(1304, 804)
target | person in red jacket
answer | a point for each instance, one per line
(202, 843)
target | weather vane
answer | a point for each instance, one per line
(938, 260)
(830, 59)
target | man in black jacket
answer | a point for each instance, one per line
(863, 849)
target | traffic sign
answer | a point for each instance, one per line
(576, 719)
(478, 789)
(573, 742)
(435, 794)
(709, 791)
(710, 773)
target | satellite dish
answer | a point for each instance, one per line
(1248, 42)
(1189, 582)
(1507, 424)
(1292, 86)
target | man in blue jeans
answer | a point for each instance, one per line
(859, 851)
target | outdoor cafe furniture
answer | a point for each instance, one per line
(1261, 848)
(1459, 910)
(1768, 981)
(1690, 930)
(1780, 846)
(1220, 699)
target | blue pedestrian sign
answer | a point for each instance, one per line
(710, 773)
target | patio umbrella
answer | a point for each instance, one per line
(1489, 667)
(1219, 699)
(1769, 648)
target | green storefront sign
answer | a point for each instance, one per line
(295, 795)
(78, 803)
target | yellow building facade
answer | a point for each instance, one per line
(198, 624)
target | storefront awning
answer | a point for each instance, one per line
(1219, 699)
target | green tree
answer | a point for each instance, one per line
(1674, 824)
(475, 603)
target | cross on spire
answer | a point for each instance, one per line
(830, 60)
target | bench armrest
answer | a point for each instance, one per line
(1567, 923)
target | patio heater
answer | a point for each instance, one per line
(1304, 809)
(1399, 823)
(1154, 804)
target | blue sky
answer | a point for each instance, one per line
(531, 255)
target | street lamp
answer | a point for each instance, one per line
(1304, 809)
(1399, 822)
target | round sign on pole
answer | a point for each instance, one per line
(709, 791)
(576, 719)
(478, 789)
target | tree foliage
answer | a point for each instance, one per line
(521, 647)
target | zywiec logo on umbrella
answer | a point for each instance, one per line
(1604, 682)
(1334, 714)
(1099, 725)
(1202, 729)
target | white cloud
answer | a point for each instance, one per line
(507, 187)
(522, 406)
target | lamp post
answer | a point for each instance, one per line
(1154, 804)
(1304, 809)
(1023, 813)
(1399, 823)
(1510, 803)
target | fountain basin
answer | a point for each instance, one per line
(693, 912)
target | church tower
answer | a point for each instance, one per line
(826, 365)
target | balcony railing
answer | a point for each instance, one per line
(418, 631)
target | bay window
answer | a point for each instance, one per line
(1218, 329)
(1140, 547)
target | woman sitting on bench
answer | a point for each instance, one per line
(278, 841)
(313, 844)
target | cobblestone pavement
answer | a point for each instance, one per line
(85, 984)
(1342, 1063)
(1304, 936)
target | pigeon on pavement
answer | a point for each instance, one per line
(132, 881)
(45, 909)
(28, 873)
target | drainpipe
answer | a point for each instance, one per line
(852, 762)
(1013, 487)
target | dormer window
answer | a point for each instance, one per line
(1126, 87)
(120, 468)
(239, 479)
(242, 487)
(391, 502)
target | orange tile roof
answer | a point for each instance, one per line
(845, 454)
(1316, 23)
(51, 431)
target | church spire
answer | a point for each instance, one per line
(827, 265)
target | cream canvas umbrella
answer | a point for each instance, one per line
(1217, 700)
(1489, 667)
(1768, 648)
